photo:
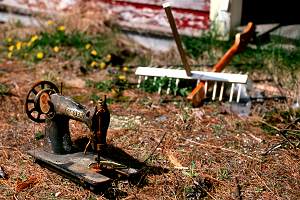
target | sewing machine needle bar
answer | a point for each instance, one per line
(214, 91)
(231, 92)
(221, 92)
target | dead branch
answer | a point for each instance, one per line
(237, 192)
(281, 131)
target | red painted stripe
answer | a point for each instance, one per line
(188, 4)
(156, 7)
(199, 21)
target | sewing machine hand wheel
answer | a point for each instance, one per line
(37, 105)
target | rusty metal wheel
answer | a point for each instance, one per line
(37, 105)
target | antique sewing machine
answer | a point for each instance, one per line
(45, 104)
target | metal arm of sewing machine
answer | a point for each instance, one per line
(45, 104)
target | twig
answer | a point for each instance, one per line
(223, 149)
(7, 147)
(159, 143)
(208, 193)
(87, 145)
(263, 181)
(277, 82)
(256, 138)
(177, 168)
(291, 130)
(292, 123)
(11, 148)
(238, 190)
(211, 178)
(269, 125)
(273, 148)
(280, 131)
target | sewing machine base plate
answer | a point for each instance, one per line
(75, 167)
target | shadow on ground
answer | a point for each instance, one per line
(118, 155)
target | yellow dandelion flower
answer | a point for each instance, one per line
(29, 44)
(107, 57)
(87, 46)
(114, 92)
(94, 52)
(11, 47)
(125, 69)
(9, 40)
(93, 64)
(9, 54)
(18, 45)
(61, 28)
(122, 77)
(34, 38)
(56, 49)
(40, 55)
(50, 22)
(102, 65)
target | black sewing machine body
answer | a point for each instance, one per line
(65, 109)
(44, 104)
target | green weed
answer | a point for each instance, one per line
(274, 54)
(4, 89)
(92, 198)
(115, 85)
(208, 41)
(104, 86)
(152, 85)
(39, 135)
(250, 59)
(94, 97)
(192, 170)
(218, 129)
(223, 174)
(93, 51)
(23, 176)
(259, 189)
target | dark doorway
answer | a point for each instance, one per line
(264, 11)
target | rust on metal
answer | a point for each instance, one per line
(32, 103)
(44, 103)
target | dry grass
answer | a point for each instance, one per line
(210, 147)
(188, 153)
